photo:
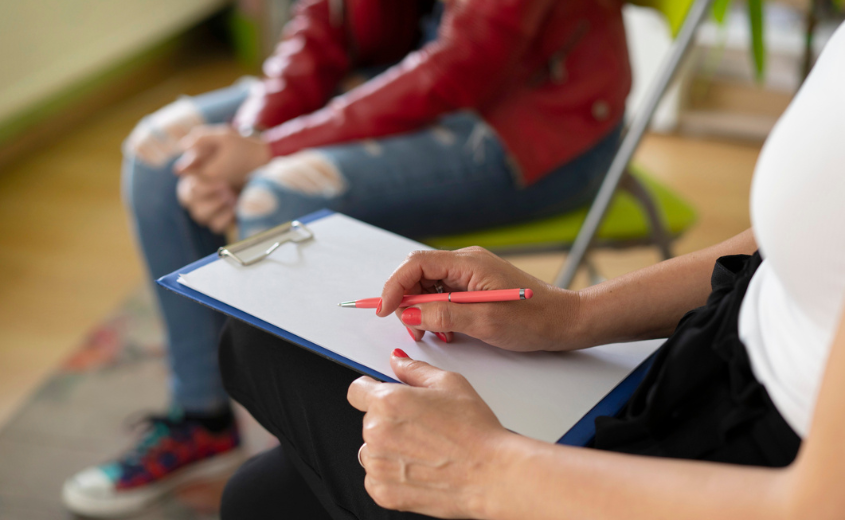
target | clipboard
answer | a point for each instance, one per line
(259, 247)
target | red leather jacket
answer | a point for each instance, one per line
(550, 76)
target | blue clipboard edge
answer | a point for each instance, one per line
(579, 435)
(171, 282)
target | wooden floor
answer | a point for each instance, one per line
(67, 257)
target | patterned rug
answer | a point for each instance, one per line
(80, 416)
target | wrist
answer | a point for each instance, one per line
(266, 153)
(511, 488)
(257, 154)
(501, 454)
(569, 324)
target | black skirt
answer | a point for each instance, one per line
(700, 399)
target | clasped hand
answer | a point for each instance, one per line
(213, 169)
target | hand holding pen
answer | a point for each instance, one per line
(522, 325)
(410, 317)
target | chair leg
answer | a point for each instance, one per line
(630, 142)
(660, 236)
(593, 274)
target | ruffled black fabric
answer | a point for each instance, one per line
(700, 400)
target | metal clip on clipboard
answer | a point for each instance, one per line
(294, 232)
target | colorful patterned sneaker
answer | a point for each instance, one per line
(173, 451)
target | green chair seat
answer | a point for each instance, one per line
(625, 222)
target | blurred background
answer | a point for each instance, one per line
(77, 75)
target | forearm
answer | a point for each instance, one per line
(648, 303)
(537, 480)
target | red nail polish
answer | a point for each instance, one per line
(442, 337)
(400, 353)
(378, 309)
(412, 316)
(411, 333)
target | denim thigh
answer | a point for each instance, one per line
(452, 177)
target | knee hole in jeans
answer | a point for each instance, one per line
(307, 173)
(256, 202)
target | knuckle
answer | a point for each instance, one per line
(476, 250)
(441, 318)
(378, 467)
(197, 133)
(387, 498)
(415, 366)
(354, 389)
(374, 432)
(415, 258)
(380, 492)
(450, 379)
(392, 401)
(383, 399)
(417, 255)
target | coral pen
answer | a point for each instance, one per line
(502, 295)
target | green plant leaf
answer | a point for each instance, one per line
(758, 46)
(720, 10)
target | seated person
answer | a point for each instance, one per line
(750, 386)
(507, 111)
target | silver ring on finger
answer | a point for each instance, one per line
(360, 450)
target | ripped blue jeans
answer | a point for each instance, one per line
(453, 176)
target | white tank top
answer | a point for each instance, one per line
(791, 311)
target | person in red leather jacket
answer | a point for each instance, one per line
(484, 112)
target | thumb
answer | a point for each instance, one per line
(413, 372)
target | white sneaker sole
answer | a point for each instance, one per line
(122, 503)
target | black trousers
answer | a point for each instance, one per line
(699, 401)
(300, 398)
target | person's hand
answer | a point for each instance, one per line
(218, 152)
(548, 321)
(210, 203)
(155, 140)
(430, 446)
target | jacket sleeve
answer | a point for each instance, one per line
(304, 70)
(478, 44)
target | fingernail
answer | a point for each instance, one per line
(442, 337)
(412, 316)
(411, 333)
(398, 352)
(378, 309)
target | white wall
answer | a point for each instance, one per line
(49, 45)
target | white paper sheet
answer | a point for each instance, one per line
(540, 395)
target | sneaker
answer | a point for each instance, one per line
(173, 451)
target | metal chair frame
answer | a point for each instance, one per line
(617, 175)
